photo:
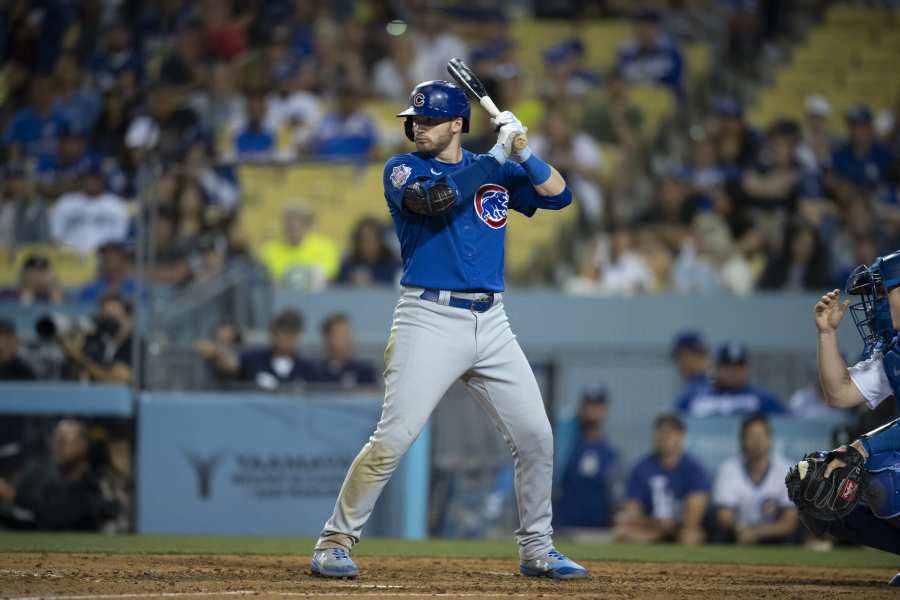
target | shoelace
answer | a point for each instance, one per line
(556, 554)
(339, 553)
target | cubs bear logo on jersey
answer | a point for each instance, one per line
(492, 204)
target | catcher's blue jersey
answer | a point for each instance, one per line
(463, 249)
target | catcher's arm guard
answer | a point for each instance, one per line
(829, 498)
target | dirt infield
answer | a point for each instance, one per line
(111, 576)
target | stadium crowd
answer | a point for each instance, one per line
(125, 126)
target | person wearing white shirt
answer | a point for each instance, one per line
(749, 495)
(85, 220)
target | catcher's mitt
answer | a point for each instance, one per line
(833, 498)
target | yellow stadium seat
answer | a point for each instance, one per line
(656, 104)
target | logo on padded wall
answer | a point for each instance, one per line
(419, 100)
(400, 174)
(491, 205)
(203, 469)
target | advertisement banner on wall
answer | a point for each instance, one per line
(255, 464)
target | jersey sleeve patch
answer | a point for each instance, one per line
(399, 175)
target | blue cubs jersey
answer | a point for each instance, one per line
(462, 249)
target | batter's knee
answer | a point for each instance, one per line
(377, 461)
(536, 442)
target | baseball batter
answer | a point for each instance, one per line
(449, 208)
(853, 493)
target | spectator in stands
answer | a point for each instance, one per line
(218, 183)
(108, 135)
(33, 131)
(611, 265)
(370, 260)
(691, 357)
(191, 205)
(225, 28)
(339, 368)
(814, 151)
(224, 341)
(808, 402)
(392, 75)
(114, 274)
(23, 214)
(269, 368)
(167, 126)
(116, 55)
(12, 367)
(37, 284)
(59, 173)
(103, 356)
(671, 212)
(302, 258)
(613, 118)
(775, 183)
(86, 219)
(737, 144)
(181, 66)
(255, 142)
(566, 73)
(667, 492)
(294, 112)
(578, 158)
(76, 100)
(862, 161)
(730, 392)
(708, 261)
(652, 56)
(60, 493)
(587, 491)
(801, 266)
(349, 133)
(437, 41)
(706, 175)
(220, 105)
(749, 497)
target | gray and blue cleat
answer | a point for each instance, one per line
(333, 562)
(554, 565)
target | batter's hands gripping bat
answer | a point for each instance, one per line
(467, 79)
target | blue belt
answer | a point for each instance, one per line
(457, 302)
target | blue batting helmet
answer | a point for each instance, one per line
(872, 312)
(437, 99)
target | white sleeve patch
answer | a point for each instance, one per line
(870, 379)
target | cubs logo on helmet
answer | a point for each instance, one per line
(492, 205)
(419, 99)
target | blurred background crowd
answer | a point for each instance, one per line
(173, 162)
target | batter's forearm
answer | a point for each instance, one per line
(554, 185)
(837, 388)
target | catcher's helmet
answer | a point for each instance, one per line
(437, 99)
(872, 312)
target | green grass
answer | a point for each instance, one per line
(154, 544)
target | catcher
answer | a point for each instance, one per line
(853, 493)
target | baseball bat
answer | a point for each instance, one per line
(467, 79)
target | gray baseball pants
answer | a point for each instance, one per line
(431, 345)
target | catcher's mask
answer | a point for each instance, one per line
(872, 312)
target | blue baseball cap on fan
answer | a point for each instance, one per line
(732, 353)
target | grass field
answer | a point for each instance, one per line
(500, 549)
